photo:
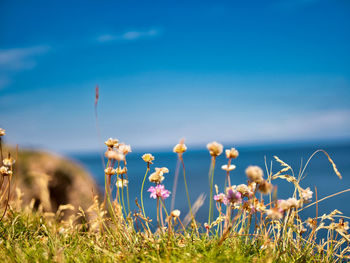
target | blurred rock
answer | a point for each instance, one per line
(52, 180)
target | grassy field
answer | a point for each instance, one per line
(246, 230)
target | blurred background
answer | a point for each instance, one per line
(267, 77)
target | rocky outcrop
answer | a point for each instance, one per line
(52, 180)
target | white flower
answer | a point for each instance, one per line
(215, 149)
(228, 168)
(306, 194)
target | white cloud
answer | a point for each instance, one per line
(17, 59)
(128, 36)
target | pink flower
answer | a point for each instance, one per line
(221, 198)
(158, 191)
(233, 196)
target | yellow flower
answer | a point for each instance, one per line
(228, 168)
(215, 149)
(4, 171)
(231, 153)
(180, 148)
(119, 170)
(109, 171)
(111, 142)
(2, 132)
(255, 174)
(148, 158)
(162, 170)
(157, 177)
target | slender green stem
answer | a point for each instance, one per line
(210, 217)
(123, 197)
(143, 184)
(188, 196)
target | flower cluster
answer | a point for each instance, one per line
(158, 191)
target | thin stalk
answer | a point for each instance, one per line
(210, 217)
(187, 193)
(143, 184)
(127, 189)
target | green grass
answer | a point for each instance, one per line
(30, 237)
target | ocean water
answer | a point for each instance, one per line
(319, 175)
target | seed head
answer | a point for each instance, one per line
(215, 149)
(255, 174)
(265, 187)
(124, 149)
(2, 132)
(231, 153)
(274, 214)
(175, 213)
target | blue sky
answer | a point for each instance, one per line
(234, 71)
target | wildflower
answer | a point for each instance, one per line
(293, 202)
(259, 206)
(180, 148)
(207, 227)
(156, 178)
(311, 222)
(231, 153)
(244, 190)
(148, 158)
(342, 226)
(115, 154)
(120, 170)
(2, 132)
(175, 213)
(121, 183)
(233, 196)
(215, 149)
(124, 149)
(162, 170)
(283, 204)
(288, 204)
(109, 171)
(255, 174)
(265, 187)
(228, 168)
(306, 194)
(220, 198)
(111, 142)
(8, 161)
(274, 213)
(4, 171)
(158, 192)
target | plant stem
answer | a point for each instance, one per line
(143, 184)
(210, 217)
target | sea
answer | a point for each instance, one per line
(318, 175)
